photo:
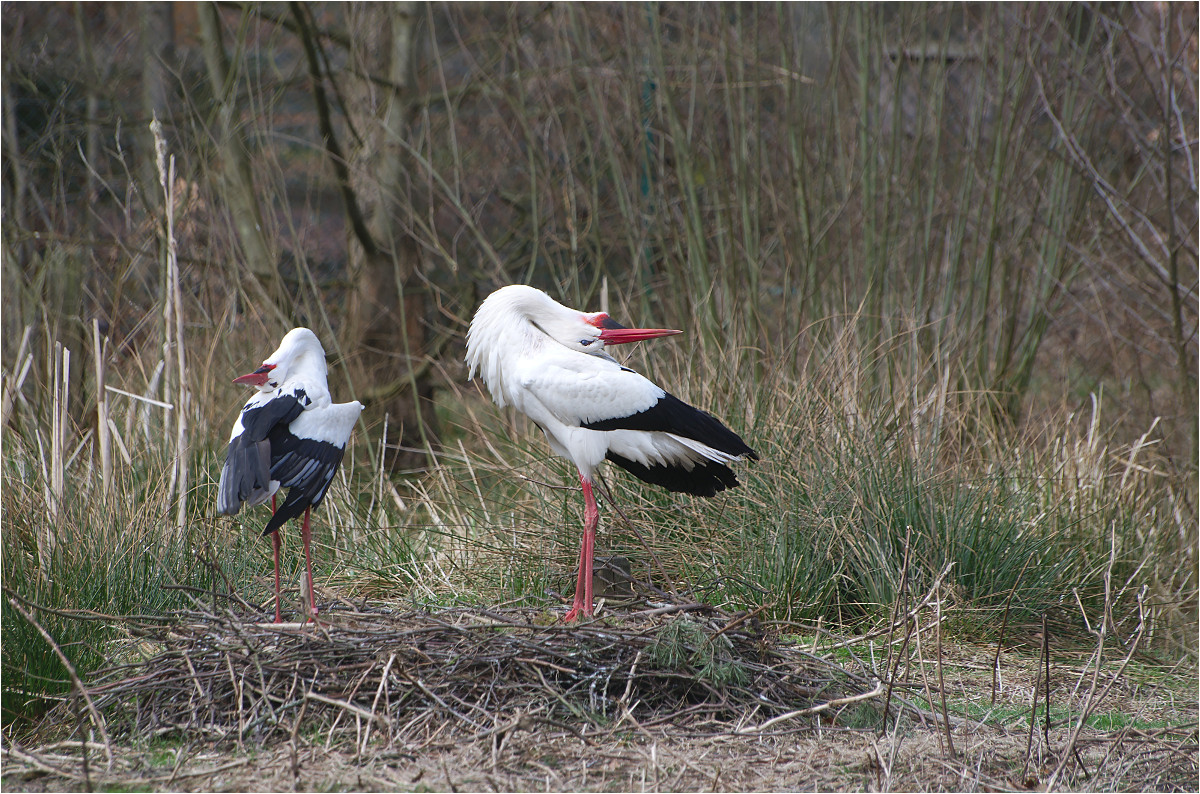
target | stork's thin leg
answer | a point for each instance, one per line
(275, 543)
(582, 604)
(306, 533)
(275, 547)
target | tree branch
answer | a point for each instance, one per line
(353, 211)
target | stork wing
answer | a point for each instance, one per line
(672, 415)
(580, 390)
(306, 455)
(246, 475)
(607, 396)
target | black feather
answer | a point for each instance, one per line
(305, 467)
(706, 478)
(247, 475)
(672, 415)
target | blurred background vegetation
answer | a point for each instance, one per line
(936, 262)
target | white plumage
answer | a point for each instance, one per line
(548, 362)
(289, 434)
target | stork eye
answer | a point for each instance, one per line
(586, 342)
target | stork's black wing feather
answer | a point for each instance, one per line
(306, 467)
(672, 415)
(246, 476)
(706, 478)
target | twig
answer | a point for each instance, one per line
(925, 679)
(83, 754)
(876, 691)
(383, 679)
(141, 398)
(350, 707)
(421, 686)
(1090, 703)
(901, 593)
(942, 679)
(1037, 687)
(1003, 627)
(669, 609)
(28, 757)
(1046, 662)
(739, 620)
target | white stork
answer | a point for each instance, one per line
(291, 435)
(548, 362)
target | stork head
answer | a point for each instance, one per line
(299, 348)
(588, 332)
(519, 316)
(599, 327)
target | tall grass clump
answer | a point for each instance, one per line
(78, 567)
(858, 480)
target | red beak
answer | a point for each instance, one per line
(258, 377)
(620, 336)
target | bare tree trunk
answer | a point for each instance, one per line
(385, 327)
(1183, 351)
(76, 337)
(236, 174)
(390, 338)
(14, 197)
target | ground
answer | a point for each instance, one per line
(608, 711)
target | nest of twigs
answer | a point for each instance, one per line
(421, 676)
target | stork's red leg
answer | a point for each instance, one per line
(582, 604)
(275, 542)
(306, 532)
(275, 547)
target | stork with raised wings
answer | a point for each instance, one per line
(549, 362)
(290, 434)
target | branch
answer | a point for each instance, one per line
(357, 222)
